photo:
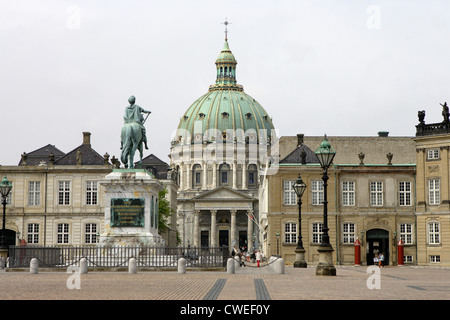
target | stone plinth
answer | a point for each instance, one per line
(131, 209)
(325, 266)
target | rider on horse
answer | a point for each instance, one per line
(133, 113)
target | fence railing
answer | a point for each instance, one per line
(117, 256)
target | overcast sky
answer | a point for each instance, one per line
(344, 68)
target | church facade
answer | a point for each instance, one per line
(221, 146)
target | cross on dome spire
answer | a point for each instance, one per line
(226, 23)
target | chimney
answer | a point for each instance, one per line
(87, 138)
(300, 139)
(383, 133)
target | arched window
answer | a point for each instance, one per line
(252, 175)
(196, 176)
(224, 174)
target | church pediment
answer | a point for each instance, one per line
(223, 194)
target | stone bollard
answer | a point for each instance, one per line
(231, 266)
(83, 266)
(34, 266)
(132, 266)
(278, 266)
(182, 265)
(237, 263)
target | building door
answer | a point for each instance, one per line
(378, 240)
(243, 240)
(204, 238)
(223, 238)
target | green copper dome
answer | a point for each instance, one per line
(226, 110)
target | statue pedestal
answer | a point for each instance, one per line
(131, 209)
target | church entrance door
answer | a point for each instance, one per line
(223, 238)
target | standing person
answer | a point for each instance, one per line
(376, 259)
(381, 260)
(258, 258)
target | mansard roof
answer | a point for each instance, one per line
(40, 156)
(88, 157)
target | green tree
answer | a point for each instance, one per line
(165, 211)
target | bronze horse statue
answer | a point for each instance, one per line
(133, 133)
(131, 141)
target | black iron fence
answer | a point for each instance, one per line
(117, 256)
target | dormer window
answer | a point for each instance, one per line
(225, 115)
(202, 115)
(248, 115)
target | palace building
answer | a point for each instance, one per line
(57, 198)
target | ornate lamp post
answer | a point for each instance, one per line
(299, 188)
(5, 188)
(325, 155)
(277, 234)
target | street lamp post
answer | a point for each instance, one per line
(278, 238)
(5, 188)
(299, 188)
(325, 155)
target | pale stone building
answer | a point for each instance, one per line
(219, 149)
(370, 197)
(57, 198)
(433, 192)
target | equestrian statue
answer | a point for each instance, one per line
(133, 134)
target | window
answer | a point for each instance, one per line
(91, 233)
(433, 191)
(252, 170)
(33, 233)
(348, 233)
(91, 192)
(289, 194)
(64, 193)
(196, 176)
(433, 154)
(62, 233)
(348, 193)
(376, 193)
(317, 192)
(223, 173)
(406, 233)
(290, 232)
(408, 259)
(435, 259)
(404, 189)
(433, 233)
(317, 232)
(34, 193)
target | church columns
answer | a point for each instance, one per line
(233, 228)
(244, 175)
(234, 174)
(214, 179)
(205, 172)
(213, 228)
(250, 230)
(196, 227)
(188, 176)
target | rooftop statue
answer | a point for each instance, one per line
(445, 112)
(133, 133)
